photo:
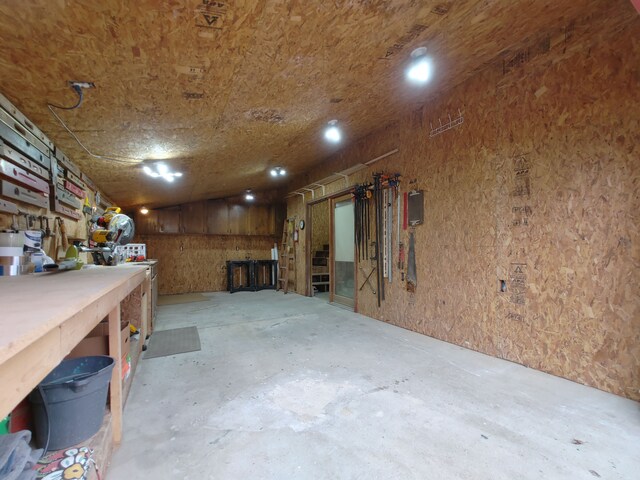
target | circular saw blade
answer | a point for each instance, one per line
(122, 229)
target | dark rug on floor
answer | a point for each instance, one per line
(171, 342)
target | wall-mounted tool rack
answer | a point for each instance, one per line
(334, 177)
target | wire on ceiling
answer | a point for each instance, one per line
(78, 89)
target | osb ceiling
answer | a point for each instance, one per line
(223, 90)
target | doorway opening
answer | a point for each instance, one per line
(343, 254)
(320, 243)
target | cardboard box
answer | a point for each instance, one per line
(97, 342)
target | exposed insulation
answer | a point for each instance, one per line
(539, 188)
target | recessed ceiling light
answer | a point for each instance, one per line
(249, 196)
(161, 170)
(144, 210)
(421, 67)
(332, 133)
(277, 172)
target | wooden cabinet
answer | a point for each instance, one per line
(238, 220)
(194, 217)
(261, 220)
(217, 217)
(147, 223)
(213, 217)
(169, 220)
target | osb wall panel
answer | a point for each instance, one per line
(197, 263)
(52, 245)
(320, 225)
(130, 308)
(171, 77)
(539, 188)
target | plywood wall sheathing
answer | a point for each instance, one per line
(539, 188)
(224, 92)
(197, 263)
(320, 225)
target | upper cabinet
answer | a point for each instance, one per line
(217, 217)
(213, 217)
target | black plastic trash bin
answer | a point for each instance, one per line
(76, 395)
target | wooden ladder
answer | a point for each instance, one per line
(287, 256)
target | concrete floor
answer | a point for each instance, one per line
(288, 387)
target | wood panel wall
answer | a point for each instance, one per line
(232, 216)
(538, 187)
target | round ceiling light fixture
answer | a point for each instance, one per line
(421, 68)
(277, 172)
(249, 196)
(144, 210)
(161, 170)
(332, 132)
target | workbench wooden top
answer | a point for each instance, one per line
(33, 305)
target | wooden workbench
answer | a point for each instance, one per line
(43, 316)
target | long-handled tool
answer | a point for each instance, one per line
(63, 233)
(366, 280)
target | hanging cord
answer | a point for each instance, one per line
(78, 90)
(46, 412)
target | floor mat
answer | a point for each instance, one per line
(171, 342)
(183, 298)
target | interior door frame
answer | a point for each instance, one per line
(332, 285)
(331, 198)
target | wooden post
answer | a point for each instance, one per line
(116, 383)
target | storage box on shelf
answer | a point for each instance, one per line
(132, 250)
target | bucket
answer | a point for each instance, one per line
(76, 396)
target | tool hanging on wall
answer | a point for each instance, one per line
(377, 198)
(385, 237)
(366, 280)
(63, 233)
(383, 193)
(412, 278)
(383, 188)
(361, 197)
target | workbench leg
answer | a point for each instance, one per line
(116, 383)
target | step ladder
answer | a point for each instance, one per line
(287, 256)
